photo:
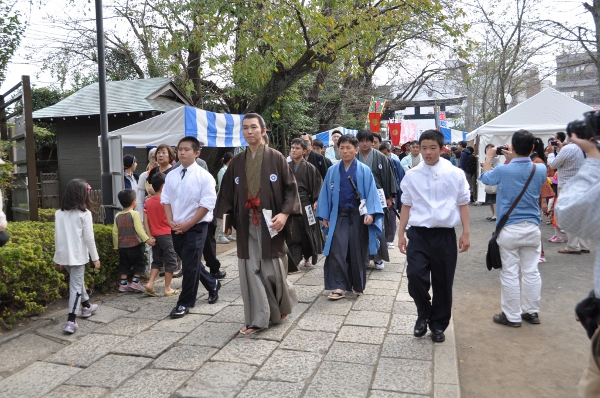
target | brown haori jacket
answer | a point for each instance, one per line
(278, 192)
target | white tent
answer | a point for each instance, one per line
(543, 115)
(213, 129)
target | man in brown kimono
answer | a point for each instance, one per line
(306, 239)
(259, 181)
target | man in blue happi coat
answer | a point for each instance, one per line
(352, 220)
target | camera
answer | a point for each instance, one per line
(587, 128)
(500, 149)
(555, 143)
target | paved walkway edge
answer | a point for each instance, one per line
(446, 383)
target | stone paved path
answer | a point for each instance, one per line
(354, 347)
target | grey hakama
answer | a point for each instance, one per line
(266, 292)
(346, 265)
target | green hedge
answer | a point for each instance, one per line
(28, 278)
(46, 215)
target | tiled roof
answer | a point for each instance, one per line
(157, 94)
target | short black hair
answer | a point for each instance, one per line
(126, 197)
(385, 145)
(432, 135)
(561, 136)
(158, 181)
(462, 144)
(415, 142)
(522, 142)
(378, 136)
(457, 154)
(227, 157)
(299, 141)
(318, 143)
(348, 138)
(336, 132)
(261, 121)
(445, 155)
(193, 140)
(364, 135)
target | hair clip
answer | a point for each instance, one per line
(89, 187)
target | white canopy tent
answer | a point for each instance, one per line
(543, 115)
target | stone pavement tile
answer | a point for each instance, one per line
(125, 301)
(294, 277)
(182, 325)
(238, 301)
(107, 314)
(404, 375)
(445, 368)
(24, 350)
(232, 273)
(56, 329)
(381, 292)
(36, 380)
(385, 276)
(110, 371)
(403, 324)
(278, 331)
(405, 307)
(244, 350)
(376, 284)
(309, 281)
(308, 294)
(212, 334)
(148, 344)
(390, 394)
(217, 379)
(202, 307)
(226, 297)
(271, 389)
(289, 366)
(77, 392)
(367, 318)
(321, 322)
(360, 334)
(126, 326)
(404, 286)
(334, 379)
(374, 303)
(393, 267)
(153, 383)
(446, 391)
(184, 358)
(88, 350)
(314, 273)
(307, 341)
(449, 332)
(323, 305)
(233, 313)
(230, 286)
(353, 352)
(154, 309)
(404, 297)
(409, 347)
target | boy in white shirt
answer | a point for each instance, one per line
(435, 195)
(189, 198)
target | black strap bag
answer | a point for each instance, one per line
(492, 258)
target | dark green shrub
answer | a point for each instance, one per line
(24, 296)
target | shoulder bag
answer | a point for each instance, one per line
(492, 258)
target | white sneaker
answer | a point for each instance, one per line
(379, 265)
(222, 240)
(390, 245)
(230, 238)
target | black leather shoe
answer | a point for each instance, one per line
(213, 296)
(179, 312)
(437, 336)
(420, 328)
(219, 274)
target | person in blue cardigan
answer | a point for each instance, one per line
(351, 213)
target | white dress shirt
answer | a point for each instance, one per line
(74, 237)
(434, 194)
(185, 195)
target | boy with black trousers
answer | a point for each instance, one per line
(435, 196)
(189, 198)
